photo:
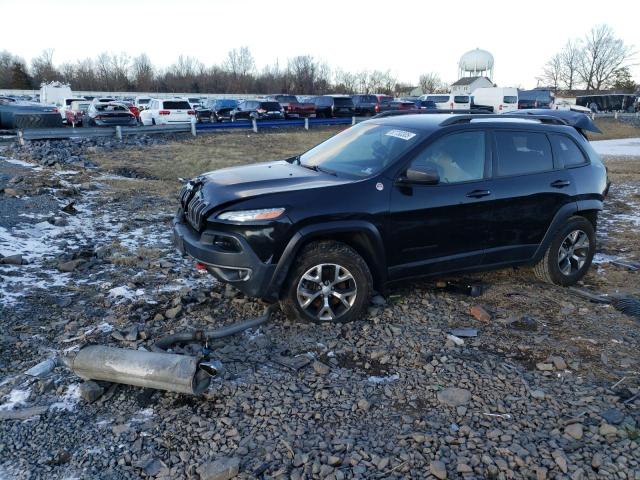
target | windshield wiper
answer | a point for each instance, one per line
(316, 168)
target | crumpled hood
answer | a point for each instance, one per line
(238, 183)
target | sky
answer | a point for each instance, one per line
(406, 37)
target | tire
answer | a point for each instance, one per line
(567, 259)
(344, 272)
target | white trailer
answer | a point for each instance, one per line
(55, 93)
(496, 99)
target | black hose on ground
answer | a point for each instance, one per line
(199, 335)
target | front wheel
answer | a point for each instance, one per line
(329, 283)
(570, 253)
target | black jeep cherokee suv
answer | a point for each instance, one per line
(399, 197)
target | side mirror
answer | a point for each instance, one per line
(422, 176)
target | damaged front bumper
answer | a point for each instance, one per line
(228, 257)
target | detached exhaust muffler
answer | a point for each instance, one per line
(157, 369)
(163, 371)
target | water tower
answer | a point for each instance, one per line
(476, 63)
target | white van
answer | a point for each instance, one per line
(448, 101)
(496, 99)
(142, 102)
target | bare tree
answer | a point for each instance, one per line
(42, 69)
(430, 82)
(552, 72)
(570, 58)
(143, 73)
(604, 53)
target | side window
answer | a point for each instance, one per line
(458, 157)
(520, 153)
(566, 151)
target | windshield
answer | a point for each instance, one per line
(362, 150)
(510, 99)
(461, 99)
(194, 100)
(144, 101)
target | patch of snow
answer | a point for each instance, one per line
(21, 163)
(125, 292)
(15, 398)
(105, 327)
(69, 399)
(626, 147)
(67, 172)
(387, 379)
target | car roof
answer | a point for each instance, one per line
(431, 122)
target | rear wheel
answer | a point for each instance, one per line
(570, 253)
(329, 283)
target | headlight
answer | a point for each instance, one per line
(251, 215)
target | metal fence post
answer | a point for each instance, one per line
(193, 126)
(255, 125)
(306, 123)
(119, 132)
(353, 120)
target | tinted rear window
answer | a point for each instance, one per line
(270, 106)
(368, 99)
(523, 152)
(386, 100)
(566, 151)
(439, 98)
(510, 99)
(343, 102)
(177, 105)
(461, 99)
(144, 101)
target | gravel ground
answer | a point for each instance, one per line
(547, 389)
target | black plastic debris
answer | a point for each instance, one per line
(465, 288)
(627, 305)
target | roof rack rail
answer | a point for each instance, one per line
(414, 111)
(467, 118)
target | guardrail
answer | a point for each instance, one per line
(193, 128)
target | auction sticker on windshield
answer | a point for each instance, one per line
(403, 134)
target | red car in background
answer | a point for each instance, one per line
(133, 109)
(292, 107)
(76, 111)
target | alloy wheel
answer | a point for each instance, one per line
(573, 252)
(327, 291)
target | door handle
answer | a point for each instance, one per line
(560, 183)
(478, 193)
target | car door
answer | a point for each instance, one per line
(442, 227)
(528, 189)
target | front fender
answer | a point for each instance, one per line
(372, 249)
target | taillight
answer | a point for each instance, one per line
(535, 104)
(500, 107)
(164, 112)
(191, 112)
(451, 105)
(261, 110)
(376, 108)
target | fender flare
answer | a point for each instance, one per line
(562, 215)
(376, 256)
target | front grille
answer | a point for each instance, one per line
(193, 205)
